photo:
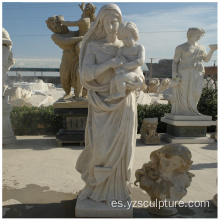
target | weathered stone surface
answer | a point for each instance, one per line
(166, 177)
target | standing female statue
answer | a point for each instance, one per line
(110, 136)
(188, 73)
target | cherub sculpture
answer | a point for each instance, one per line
(166, 177)
(153, 85)
(165, 84)
(148, 131)
(132, 55)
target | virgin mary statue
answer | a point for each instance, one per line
(110, 137)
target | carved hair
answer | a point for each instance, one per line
(151, 168)
(92, 15)
(54, 18)
(193, 31)
(97, 30)
(128, 26)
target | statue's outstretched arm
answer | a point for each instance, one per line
(59, 39)
(207, 57)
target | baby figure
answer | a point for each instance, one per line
(132, 56)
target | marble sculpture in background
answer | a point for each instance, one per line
(7, 56)
(165, 177)
(188, 73)
(154, 83)
(110, 136)
(165, 84)
(70, 42)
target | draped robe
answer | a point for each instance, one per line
(110, 135)
(186, 95)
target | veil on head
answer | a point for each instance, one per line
(91, 34)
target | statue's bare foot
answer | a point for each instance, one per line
(67, 96)
(85, 192)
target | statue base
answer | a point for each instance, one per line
(187, 129)
(74, 115)
(150, 140)
(163, 211)
(90, 209)
(7, 134)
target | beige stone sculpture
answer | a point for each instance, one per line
(110, 136)
(7, 62)
(188, 73)
(165, 84)
(133, 56)
(166, 177)
(154, 83)
(70, 42)
(148, 131)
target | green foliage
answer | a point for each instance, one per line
(152, 111)
(208, 105)
(35, 121)
(42, 120)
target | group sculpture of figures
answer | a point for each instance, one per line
(70, 43)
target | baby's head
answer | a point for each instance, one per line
(128, 33)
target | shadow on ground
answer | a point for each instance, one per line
(40, 144)
(206, 211)
(64, 209)
(35, 201)
(202, 166)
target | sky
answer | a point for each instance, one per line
(162, 26)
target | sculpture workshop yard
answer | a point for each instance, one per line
(40, 180)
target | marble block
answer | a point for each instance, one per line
(89, 208)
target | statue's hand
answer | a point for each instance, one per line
(115, 63)
(213, 47)
(82, 6)
(60, 18)
(135, 85)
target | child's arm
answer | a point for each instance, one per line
(139, 61)
(71, 23)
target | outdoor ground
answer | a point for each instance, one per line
(40, 180)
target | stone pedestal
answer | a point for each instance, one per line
(187, 129)
(74, 121)
(8, 134)
(89, 208)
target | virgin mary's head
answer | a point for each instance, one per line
(108, 14)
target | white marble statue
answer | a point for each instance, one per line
(166, 177)
(7, 56)
(7, 62)
(165, 84)
(154, 83)
(133, 56)
(110, 136)
(188, 73)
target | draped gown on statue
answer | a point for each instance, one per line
(110, 135)
(186, 95)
